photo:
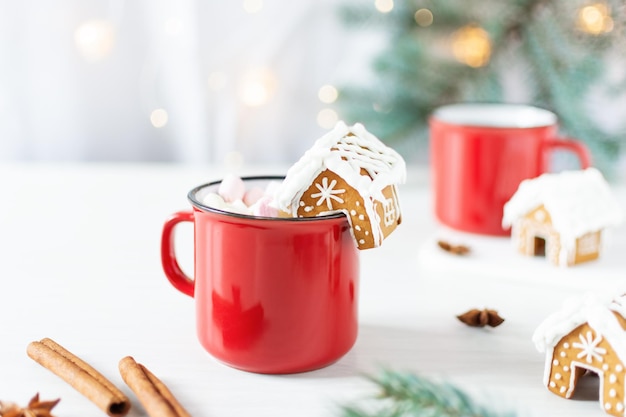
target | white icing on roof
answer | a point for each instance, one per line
(589, 309)
(359, 150)
(578, 202)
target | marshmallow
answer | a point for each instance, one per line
(263, 208)
(233, 197)
(232, 188)
(253, 195)
(238, 206)
(215, 201)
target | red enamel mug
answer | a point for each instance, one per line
(273, 295)
(480, 153)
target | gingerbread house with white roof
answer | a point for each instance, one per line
(586, 335)
(562, 216)
(347, 170)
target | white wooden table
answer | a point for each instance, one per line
(79, 262)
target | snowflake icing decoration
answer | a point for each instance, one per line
(328, 193)
(589, 347)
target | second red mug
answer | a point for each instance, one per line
(479, 154)
(273, 295)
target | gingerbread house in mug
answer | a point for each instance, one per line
(586, 336)
(562, 216)
(347, 170)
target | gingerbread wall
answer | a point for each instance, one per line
(312, 203)
(537, 225)
(584, 349)
(588, 247)
(388, 211)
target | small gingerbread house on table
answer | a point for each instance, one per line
(586, 335)
(347, 170)
(562, 216)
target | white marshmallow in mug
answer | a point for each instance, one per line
(253, 195)
(233, 197)
(232, 188)
(263, 208)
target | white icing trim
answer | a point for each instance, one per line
(547, 369)
(560, 323)
(619, 305)
(578, 201)
(575, 364)
(598, 313)
(573, 313)
(589, 347)
(361, 150)
(604, 322)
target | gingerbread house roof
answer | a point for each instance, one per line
(348, 151)
(578, 201)
(591, 309)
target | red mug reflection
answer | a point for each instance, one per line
(239, 327)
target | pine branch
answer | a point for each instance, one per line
(410, 395)
(557, 72)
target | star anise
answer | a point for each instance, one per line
(35, 408)
(453, 249)
(481, 318)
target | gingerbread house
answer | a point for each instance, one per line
(587, 335)
(562, 216)
(347, 170)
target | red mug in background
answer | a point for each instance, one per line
(273, 295)
(479, 154)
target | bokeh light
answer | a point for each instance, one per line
(327, 118)
(471, 45)
(424, 17)
(158, 118)
(328, 94)
(595, 19)
(257, 87)
(384, 6)
(95, 39)
(252, 6)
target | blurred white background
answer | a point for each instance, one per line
(171, 80)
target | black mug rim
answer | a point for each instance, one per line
(191, 196)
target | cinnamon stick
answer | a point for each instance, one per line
(155, 397)
(80, 375)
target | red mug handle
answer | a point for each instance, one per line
(572, 145)
(172, 269)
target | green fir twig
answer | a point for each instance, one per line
(404, 394)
